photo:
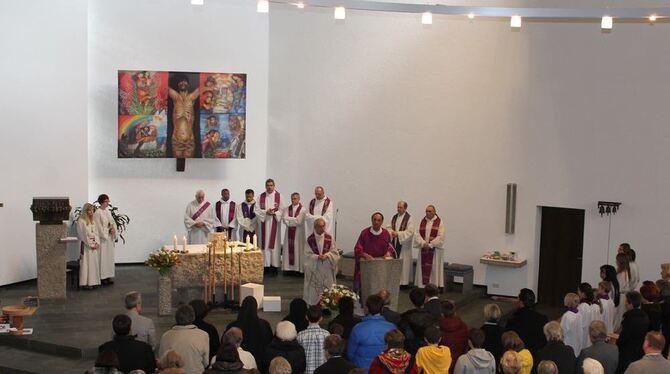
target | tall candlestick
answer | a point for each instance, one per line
(174, 242)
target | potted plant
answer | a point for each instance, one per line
(163, 260)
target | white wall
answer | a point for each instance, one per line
(171, 35)
(43, 141)
(379, 108)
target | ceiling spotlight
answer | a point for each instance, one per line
(515, 22)
(652, 18)
(300, 5)
(606, 23)
(471, 16)
(340, 13)
(427, 18)
(197, 2)
(263, 6)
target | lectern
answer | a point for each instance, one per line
(378, 274)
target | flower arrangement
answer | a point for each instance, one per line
(330, 298)
(162, 259)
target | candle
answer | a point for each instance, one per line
(184, 243)
(174, 242)
(255, 241)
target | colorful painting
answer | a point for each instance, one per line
(181, 115)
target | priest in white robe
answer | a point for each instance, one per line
(321, 259)
(226, 214)
(89, 262)
(321, 206)
(246, 217)
(294, 240)
(402, 236)
(199, 219)
(269, 212)
(106, 227)
(429, 238)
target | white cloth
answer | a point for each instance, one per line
(571, 324)
(406, 238)
(634, 277)
(104, 223)
(224, 212)
(328, 216)
(199, 235)
(624, 287)
(89, 264)
(319, 274)
(437, 273)
(607, 316)
(272, 256)
(245, 224)
(248, 360)
(586, 312)
(297, 221)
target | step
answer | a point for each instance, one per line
(18, 361)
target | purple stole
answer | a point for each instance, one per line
(231, 215)
(248, 212)
(291, 235)
(427, 254)
(327, 242)
(273, 228)
(403, 227)
(326, 204)
(200, 211)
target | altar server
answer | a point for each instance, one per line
(225, 214)
(199, 219)
(89, 263)
(106, 227)
(402, 236)
(269, 212)
(373, 242)
(246, 217)
(430, 240)
(609, 310)
(321, 259)
(294, 240)
(571, 323)
(321, 206)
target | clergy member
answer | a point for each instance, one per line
(430, 240)
(321, 206)
(225, 214)
(269, 214)
(402, 236)
(199, 219)
(294, 240)
(106, 227)
(246, 217)
(373, 242)
(321, 259)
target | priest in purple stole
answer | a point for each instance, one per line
(294, 240)
(246, 217)
(225, 214)
(269, 212)
(199, 219)
(430, 240)
(373, 242)
(321, 259)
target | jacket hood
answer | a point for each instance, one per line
(480, 358)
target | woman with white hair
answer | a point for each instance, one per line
(555, 350)
(89, 263)
(592, 366)
(284, 344)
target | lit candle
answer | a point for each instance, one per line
(184, 243)
(174, 241)
(255, 242)
(248, 240)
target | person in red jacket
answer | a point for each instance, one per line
(454, 332)
(395, 359)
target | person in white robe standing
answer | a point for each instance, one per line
(294, 240)
(402, 235)
(623, 277)
(586, 300)
(226, 214)
(634, 282)
(609, 310)
(107, 233)
(571, 323)
(321, 257)
(246, 217)
(89, 263)
(321, 206)
(199, 219)
(269, 212)
(429, 238)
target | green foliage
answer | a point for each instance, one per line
(121, 220)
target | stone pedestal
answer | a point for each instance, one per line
(381, 274)
(164, 295)
(51, 261)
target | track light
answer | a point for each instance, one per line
(515, 22)
(606, 23)
(427, 18)
(263, 6)
(340, 13)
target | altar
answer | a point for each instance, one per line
(190, 276)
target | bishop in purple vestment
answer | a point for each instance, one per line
(374, 241)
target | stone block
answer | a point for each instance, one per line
(272, 304)
(252, 289)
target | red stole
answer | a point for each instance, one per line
(291, 234)
(403, 227)
(273, 228)
(200, 211)
(427, 254)
(327, 243)
(231, 215)
(326, 204)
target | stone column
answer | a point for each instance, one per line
(51, 261)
